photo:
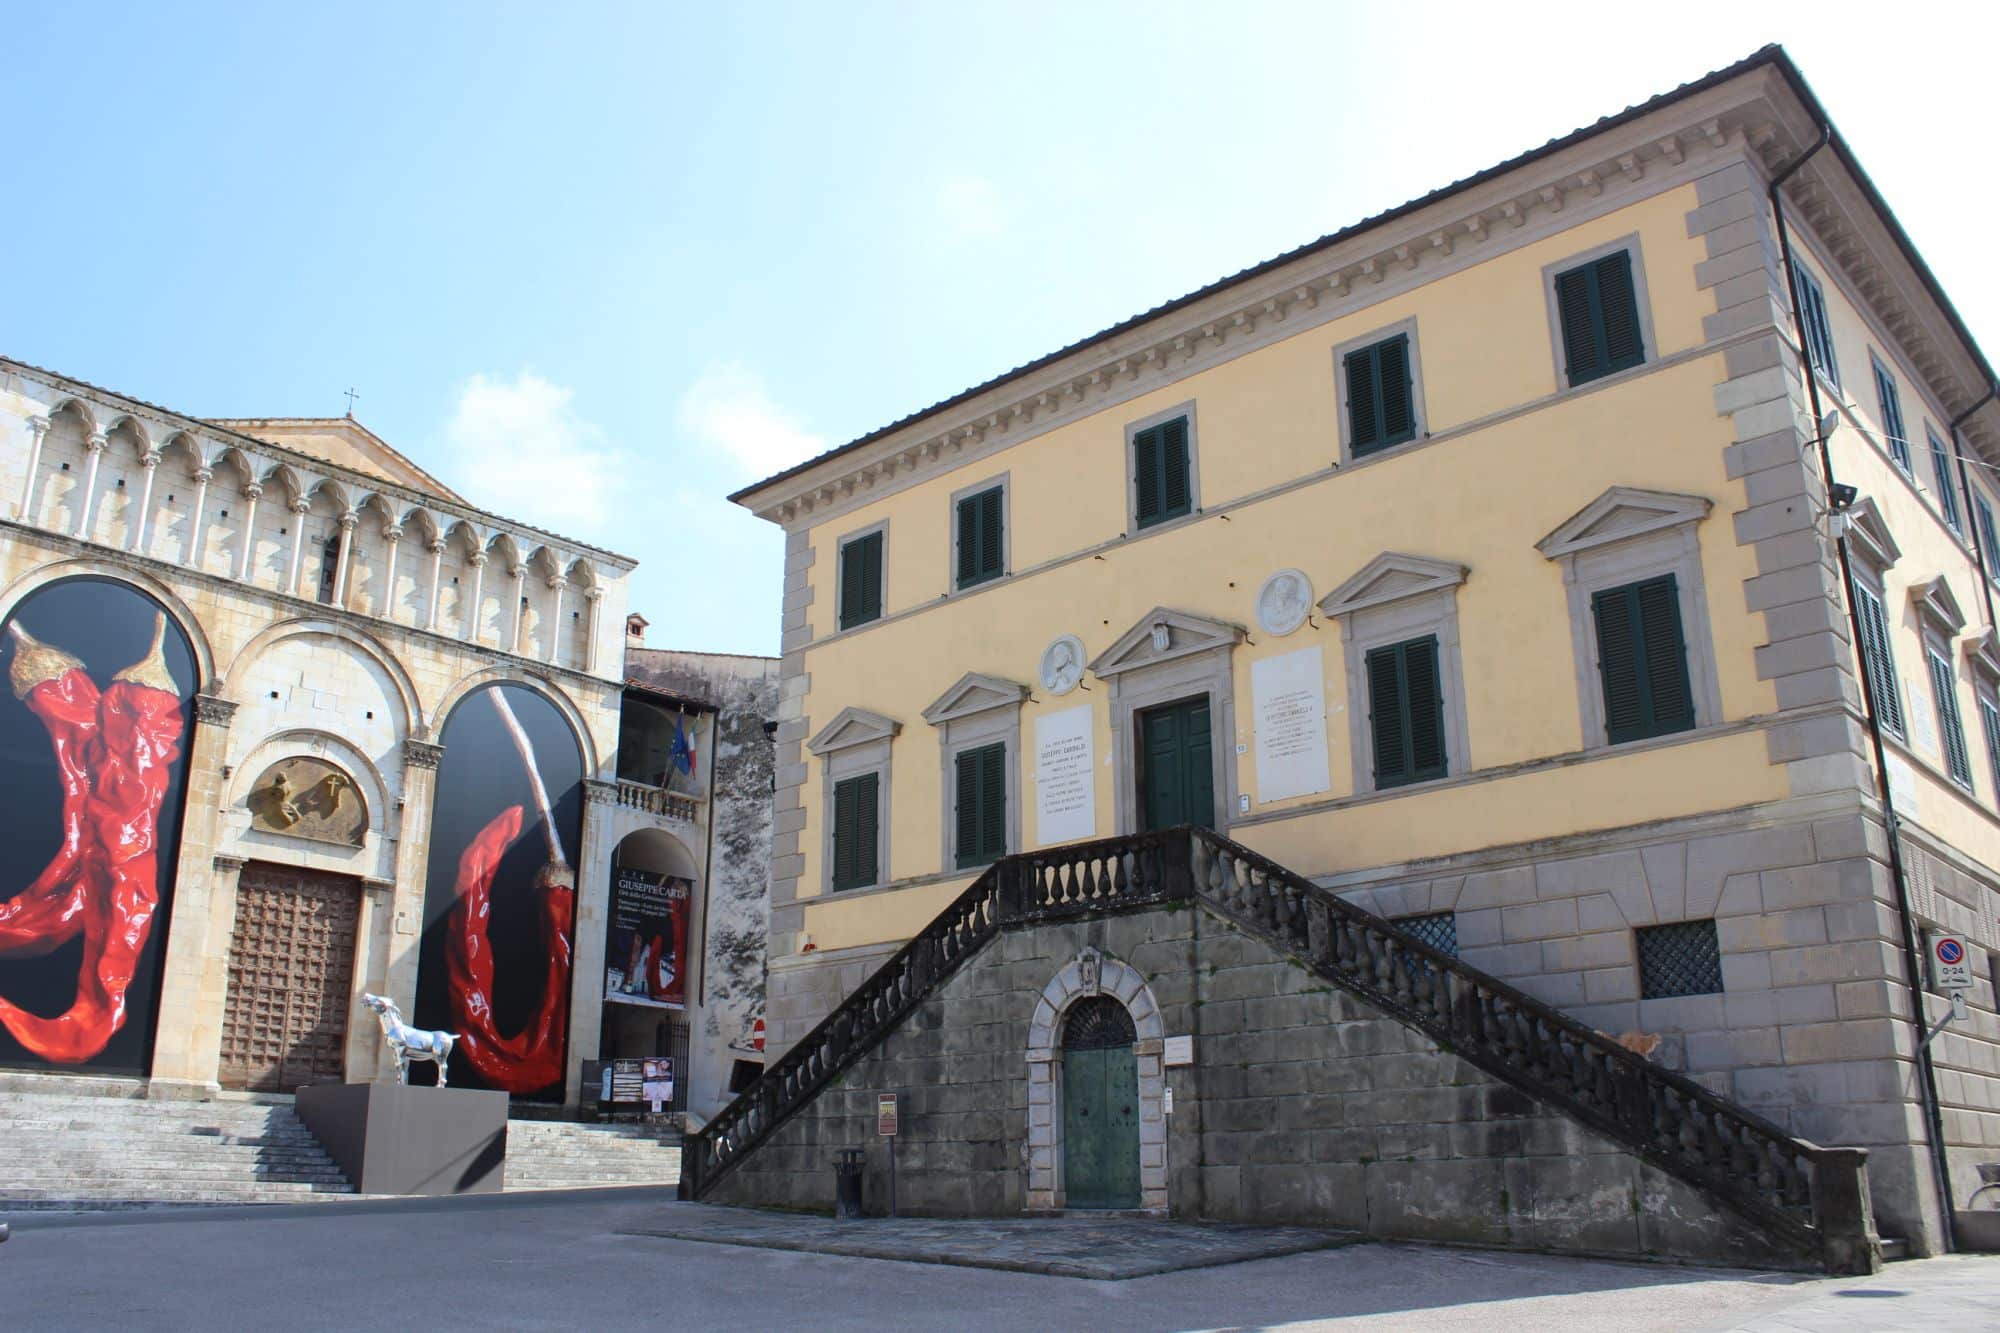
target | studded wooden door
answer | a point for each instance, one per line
(291, 975)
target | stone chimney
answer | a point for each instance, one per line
(635, 630)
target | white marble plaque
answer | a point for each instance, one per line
(1902, 785)
(1179, 1051)
(1919, 711)
(1065, 777)
(1288, 695)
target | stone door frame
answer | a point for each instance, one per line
(1092, 973)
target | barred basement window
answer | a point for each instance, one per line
(1679, 959)
(1437, 929)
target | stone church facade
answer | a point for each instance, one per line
(333, 623)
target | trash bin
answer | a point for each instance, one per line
(847, 1164)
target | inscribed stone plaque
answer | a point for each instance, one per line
(1179, 1051)
(1288, 693)
(1065, 777)
(304, 797)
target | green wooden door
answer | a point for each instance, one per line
(1101, 1128)
(1176, 776)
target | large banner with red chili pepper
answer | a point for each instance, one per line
(93, 732)
(500, 891)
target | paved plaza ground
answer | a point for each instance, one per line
(630, 1257)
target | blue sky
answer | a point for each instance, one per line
(597, 271)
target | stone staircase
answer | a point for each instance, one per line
(91, 1145)
(561, 1155)
(71, 1151)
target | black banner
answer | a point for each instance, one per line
(94, 731)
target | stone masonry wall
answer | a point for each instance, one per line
(1304, 1105)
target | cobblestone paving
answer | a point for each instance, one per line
(1108, 1248)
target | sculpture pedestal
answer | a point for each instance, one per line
(393, 1139)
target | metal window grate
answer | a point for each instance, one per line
(1679, 959)
(1437, 929)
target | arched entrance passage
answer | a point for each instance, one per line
(1096, 1019)
(1100, 1097)
(648, 962)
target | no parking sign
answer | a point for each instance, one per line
(1951, 963)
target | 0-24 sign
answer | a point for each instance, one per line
(1951, 962)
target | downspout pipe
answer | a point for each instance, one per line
(1982, 557)
(1912, 962)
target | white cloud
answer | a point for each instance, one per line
(523, 451)
(971, 206)
(728, 411)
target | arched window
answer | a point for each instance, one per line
(1098, 1023)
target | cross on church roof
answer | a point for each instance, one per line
(351, 396)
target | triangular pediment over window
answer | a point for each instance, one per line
(1162, 635)
(1936, 607)
(975, 693)
(853, 726)
(1391, 577)
(1983, 654)
(1620, 513)
(1867, 531)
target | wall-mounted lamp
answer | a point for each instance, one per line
(1842, 496)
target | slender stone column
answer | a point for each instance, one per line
(151, 462)
(96, 445)
(291, 579)
(593, 893)
(364, 1055)
(202, 477)
(520, 607)
(394, 534)
(345, 558)
(558, 585)
(413, 852)
(37, 428)
(253, 492)
(478, 596)
(187, 1048)
(437, 579)
(596, 596)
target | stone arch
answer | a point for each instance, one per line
(56, 501)
(1092, 973)
(232, 686)
(177, 610)
(659, 851)
(541, 685)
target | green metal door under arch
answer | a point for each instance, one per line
(1100, 1091)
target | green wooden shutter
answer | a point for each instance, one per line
(861, 581)
(1892, 416)
(1952, 730)
(1618, 306)
(992, 533)
(1598, 307)
(1989, 722)
(980, 816)
(1947, 487)
(1406, 712)
(1364, 420)
(1573, 309)
(1642, 660)
(1380, 411)
(1988, 551)
(1392, 368)
(1819, 330)
(856, 831)
(1388, 717)
(1879, 659)
(980, 537)
(1160, 473)
(1670, 693)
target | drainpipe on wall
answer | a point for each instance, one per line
(1933, 1119)
(1981, 557)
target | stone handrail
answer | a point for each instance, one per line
(658, 801)
(1814, 1198)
